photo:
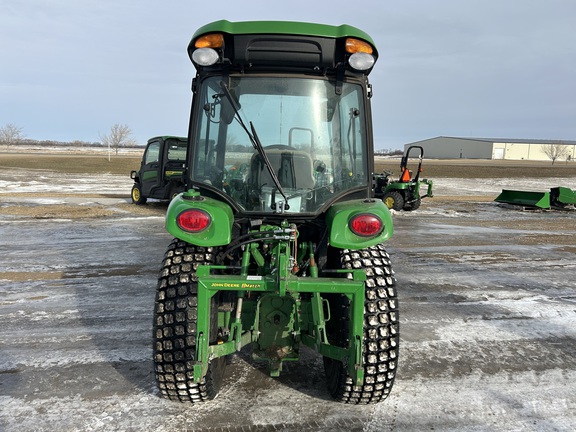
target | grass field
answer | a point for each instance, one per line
(459, 168)
(88, 164)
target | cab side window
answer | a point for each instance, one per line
(176, 151)
(152, 153)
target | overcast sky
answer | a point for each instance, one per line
(69, 70)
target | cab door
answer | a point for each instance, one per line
(150, 170)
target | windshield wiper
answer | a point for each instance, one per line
(253, 135)
(258, 145)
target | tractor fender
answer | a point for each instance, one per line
(219, 230)
(338, 220)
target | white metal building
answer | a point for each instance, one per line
(490, 148)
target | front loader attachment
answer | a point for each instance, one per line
(558, 197)
(562, 196)
(524, 198)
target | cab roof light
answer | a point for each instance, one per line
(205, 56)
(361, 61)
(361, 54)
(212, 40)
(357, 46)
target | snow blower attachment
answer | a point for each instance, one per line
(556, 198)
(278, 241)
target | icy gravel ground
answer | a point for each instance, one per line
(488, 325)
(43, 182)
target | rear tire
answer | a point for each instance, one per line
(175, 323)
(393, 200)
(136, 195)
(381, 330)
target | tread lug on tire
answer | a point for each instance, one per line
(381, 330)
(174, 329)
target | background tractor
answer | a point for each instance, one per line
(278, 240)
(404, 194)
(161, 173)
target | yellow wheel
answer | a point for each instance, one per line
(136, 194)
(394, 200)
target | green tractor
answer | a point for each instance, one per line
(278, 239)
(403, 194)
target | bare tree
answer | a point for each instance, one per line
(119, 136)
(10, 134)
(556, 151)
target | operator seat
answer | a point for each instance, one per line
(293, 168)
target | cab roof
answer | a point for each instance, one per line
(283, 46)
(283, 27)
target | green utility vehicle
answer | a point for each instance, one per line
(403, 194)
(161, 173)
(278, 239)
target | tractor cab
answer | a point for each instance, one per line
(274, 145)
(281, 121)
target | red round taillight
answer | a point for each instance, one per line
(366, 225)
(194, 220)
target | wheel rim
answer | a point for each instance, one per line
(389, 201)
(136, 194)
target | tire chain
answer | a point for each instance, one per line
(381, 325)
(174, 328)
